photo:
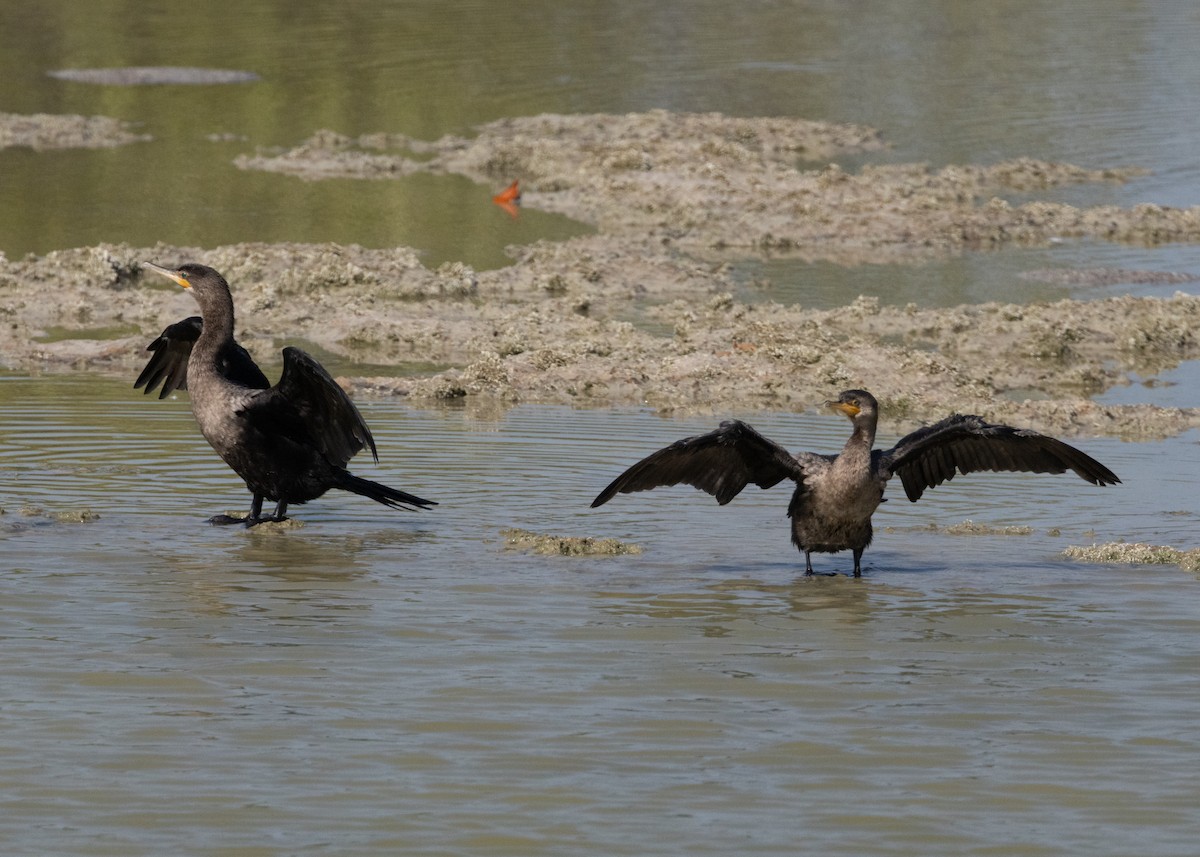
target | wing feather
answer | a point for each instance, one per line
(169, 355)
(966, 444)
(722, 463)
(172, 349)
(308, 406)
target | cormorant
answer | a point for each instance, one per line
(837, 494)
(290, 442)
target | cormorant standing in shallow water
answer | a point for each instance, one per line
(837, 494)
(291, 442)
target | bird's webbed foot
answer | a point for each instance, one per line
(265, 519)
(248, 521)
(256, 516)
(252, 518)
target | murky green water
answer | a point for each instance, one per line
(378, 682)
(1110, 83)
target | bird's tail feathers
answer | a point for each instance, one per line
(393, 497)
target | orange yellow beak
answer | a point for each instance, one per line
(173, 276)
(844, 408)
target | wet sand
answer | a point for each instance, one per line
(50, 131)
(553, 545)
(706, 182)
(641, 311)
(1136, 554)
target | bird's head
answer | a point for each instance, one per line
(854, 403)
(200, 280)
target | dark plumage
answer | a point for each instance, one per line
(290, 442)
(837, 494)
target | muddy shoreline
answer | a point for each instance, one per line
(555, 328)
(641, 312)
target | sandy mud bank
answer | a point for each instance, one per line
(641, 311)
(51, 131)
(549, 333)
(1122, 553)
(717, 183)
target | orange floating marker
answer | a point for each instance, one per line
(510, 195)
(509, 199)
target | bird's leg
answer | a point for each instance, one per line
(858, 552)
(259, 518)
(808, 569)
(254, 517)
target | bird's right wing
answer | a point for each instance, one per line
(308, 399)
(964, 443)
(722, 462)
(169, 357)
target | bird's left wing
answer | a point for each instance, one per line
(722, 462)
(169, 355)
(315, 405)
(965, 444)
(172, 349)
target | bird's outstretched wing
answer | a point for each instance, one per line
(722, 462)
(169, 357)
(965, 444)
(308, 406)
(169, 361)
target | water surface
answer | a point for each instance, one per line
(1100, 84)
(380, 682)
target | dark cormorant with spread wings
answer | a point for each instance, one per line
(289, 442)
(837, 494)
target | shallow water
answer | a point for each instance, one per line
(379, 682)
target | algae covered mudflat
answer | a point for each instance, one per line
(643, 310)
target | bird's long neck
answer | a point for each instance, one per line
(857, 450)
(217, 310)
